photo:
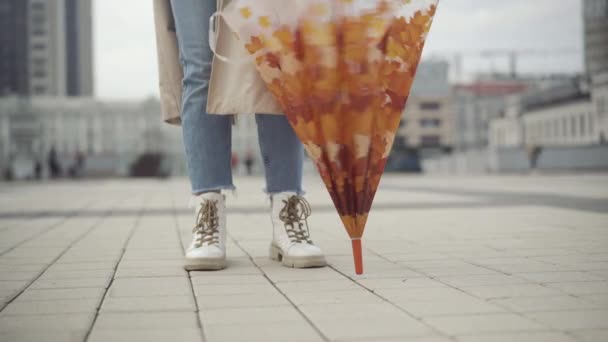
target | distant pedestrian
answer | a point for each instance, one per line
(77, 168)
(234, 161)
(38, 169)
(53, 163)
(249, 161)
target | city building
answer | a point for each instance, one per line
(561, 116)
(428, 120)
(110, 134)
(14, 69)
(46, 48)
(428, 123)
(477, 104)
(569, 122)
(79, 47)
(595, 19)
(599, 91)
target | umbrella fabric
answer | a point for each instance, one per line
(342, 71)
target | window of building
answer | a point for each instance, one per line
(582, 125)
(39, 73)
(39, 46)
(601, 105)
(403, 123)
(596, 8)
(38, 6)
(39, 90)
(573, 126)
(430, 105)
(430, 141)
(39, 62)
(430, 122)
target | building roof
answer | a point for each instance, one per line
(565, 93)
(492, 88)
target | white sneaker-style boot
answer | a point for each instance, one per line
(291, 242)
(207, 252)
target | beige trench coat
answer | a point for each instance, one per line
(233, 89)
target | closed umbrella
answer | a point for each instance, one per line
(342, 71)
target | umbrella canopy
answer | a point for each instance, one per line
(342, 72)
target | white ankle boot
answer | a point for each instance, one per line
(291, 242)
(208, 248)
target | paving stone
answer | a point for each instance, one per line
(559, 277)
(333, 297)
(267, 332)
(12, 285)
(150, 287)
(71, 283)
(422, 294)
(486, 323)
(18, 276)
(263, 315)
(430, 338)
(459, 306)
(348, 328)
(26, 335)
(317, 286)
(147, 335)
(147, 263)
(150, 272)
(9, 268)
(600, 300)
(56, 294)
(147, 320)
(106, 265)
(582, 288)
(282, 274)
(461, 270)
(51, 323)
(352, 310)
(511, 290)
(532, 304)
(572, 320)
(234, 289)
(591, 335)
(477, 280)
(145, 304)
(399, 283)
(232, 279)
(51, 307)
(77, 274)
(212, 302)
(519, 337)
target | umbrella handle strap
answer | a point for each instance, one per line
(214, 34)
(358, 256)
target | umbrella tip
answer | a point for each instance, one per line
(358, 255)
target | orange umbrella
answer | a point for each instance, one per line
(342, 72)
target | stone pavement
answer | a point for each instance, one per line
(447, 259)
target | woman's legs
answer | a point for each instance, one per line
(207, 138)
(282, 154)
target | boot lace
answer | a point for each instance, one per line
(207, 225)
(294, 215)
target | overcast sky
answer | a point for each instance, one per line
(125, 56)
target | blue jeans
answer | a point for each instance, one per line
(208, 138)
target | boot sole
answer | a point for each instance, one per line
(205, 265)
(296, 262)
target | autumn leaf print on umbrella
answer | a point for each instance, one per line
(342, 71)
